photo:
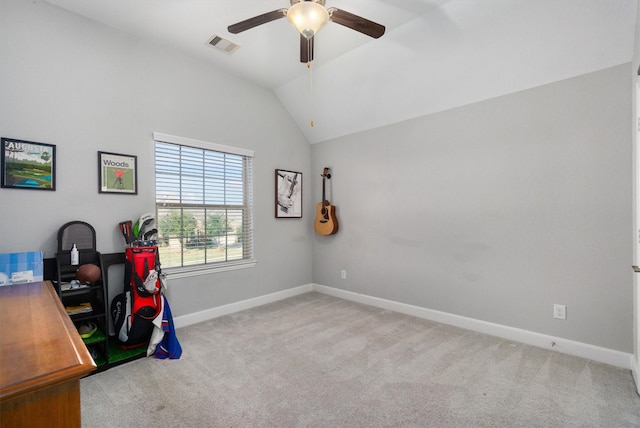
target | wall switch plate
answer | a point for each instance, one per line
(560, 311)
(343, 274)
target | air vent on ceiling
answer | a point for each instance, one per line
(223, 45)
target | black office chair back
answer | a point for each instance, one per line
(76, 232)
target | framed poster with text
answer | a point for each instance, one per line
(117, 173)
(28, 165)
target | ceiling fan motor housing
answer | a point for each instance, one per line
(321, 2)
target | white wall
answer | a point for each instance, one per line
(494, 211)
(71, 82)
(635, 132)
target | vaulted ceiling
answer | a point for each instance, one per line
(435, 54)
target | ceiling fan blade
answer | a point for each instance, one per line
(306, 49)
(356, 22)
(256, 20)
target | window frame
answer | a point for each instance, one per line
(211, 267)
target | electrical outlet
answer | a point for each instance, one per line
(343, 274)
(560, 311)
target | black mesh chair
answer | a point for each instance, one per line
(76, 232)
(83, 235)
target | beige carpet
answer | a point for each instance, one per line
(318, 361)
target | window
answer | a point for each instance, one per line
(203, 205)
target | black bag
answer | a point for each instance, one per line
(133, 325)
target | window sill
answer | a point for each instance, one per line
(188, 271)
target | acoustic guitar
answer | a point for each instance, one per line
(325, 222)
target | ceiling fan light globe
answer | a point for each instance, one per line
(308, 17)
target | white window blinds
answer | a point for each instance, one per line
(203, 202)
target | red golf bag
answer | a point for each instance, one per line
(134, 310)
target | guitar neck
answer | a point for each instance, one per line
(324, 199)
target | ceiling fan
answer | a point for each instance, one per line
(308, 16)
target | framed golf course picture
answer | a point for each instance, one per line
(27, 165)
(117, 173)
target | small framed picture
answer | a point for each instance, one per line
(288, 194)
(117, 173)
(28, 165)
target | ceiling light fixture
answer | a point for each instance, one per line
(308, 16)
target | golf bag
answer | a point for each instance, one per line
(142, 270)
(134, 310)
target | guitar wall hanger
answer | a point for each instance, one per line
(325, 222)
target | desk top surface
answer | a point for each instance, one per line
(39, 345)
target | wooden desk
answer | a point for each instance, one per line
(42, 359)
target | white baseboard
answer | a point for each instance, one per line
(578, 349)
(196, 317)
(570, 347)
(635, 371)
